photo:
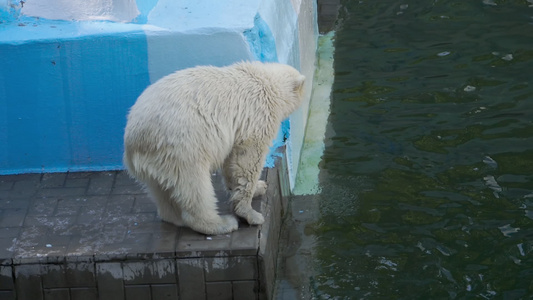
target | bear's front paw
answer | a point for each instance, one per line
(260, 188)
(255, 218)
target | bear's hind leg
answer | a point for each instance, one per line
(195, 196)
(166, 211)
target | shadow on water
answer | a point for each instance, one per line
(427, 175)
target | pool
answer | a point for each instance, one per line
(426, 180)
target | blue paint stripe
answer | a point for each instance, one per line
(263, 47)
(63, 102)
(261, 41)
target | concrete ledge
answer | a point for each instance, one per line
(96, 235)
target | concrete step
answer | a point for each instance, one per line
(96, 235)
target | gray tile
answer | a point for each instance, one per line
(40, 253)
(67, 211)
(119, 240)
(131, 189)
(12, 217)
(77, 182)
(157, 226)
(77, 175)
(120, 204)
(53, 180)
(137, 292)
(110, 280)
(267, 269)
(143, 204)
(4, 194)
(149, 272)
(95, 239)
(191, 279)
(164, 291)
(86, 293)
(257, 204)
(26, 188)
(89, 214)
(188, 234)
(83, 259)
(28, 282)
(9, 232)
(57, 294)
(7, 295)
(54, 276)
(123, 178)
(230, 268)
(13, 202)
(6, 262)
(6, 248)
(32, 259)
(5, 185)
(54, 223)
(141, 218)
(82, 200)
(42, 207)
(69, 275)
(110, 175)
(77, 230)
(100, 186)
(245, 241)
(6, 278)
(138, 238)
(61, 192)
(113, 233)
(21, 177)
(112, 254)
(206, 247)
(219, 290)
(245, 290)
(163, 243)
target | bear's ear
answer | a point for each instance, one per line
(298, 83)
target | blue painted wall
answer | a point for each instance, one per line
(66, 86)
(63, 104)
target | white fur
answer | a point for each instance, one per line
(195, 121)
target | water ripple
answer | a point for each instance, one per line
(427, 186)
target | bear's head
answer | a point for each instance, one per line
(291, 86)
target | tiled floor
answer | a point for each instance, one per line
(97, 235)
(101, 213)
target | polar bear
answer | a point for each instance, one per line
(198, 120)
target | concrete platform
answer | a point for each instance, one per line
(96, 235)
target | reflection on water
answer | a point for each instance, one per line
(427, 175)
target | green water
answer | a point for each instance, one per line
(427, 175)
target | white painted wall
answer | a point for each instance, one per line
(187, 33)
(110, 10)
(307, 39)
(138, 43)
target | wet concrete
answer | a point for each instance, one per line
(97, 235)
(328, 11)
(296, 258)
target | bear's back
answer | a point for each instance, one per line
(205, 108)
